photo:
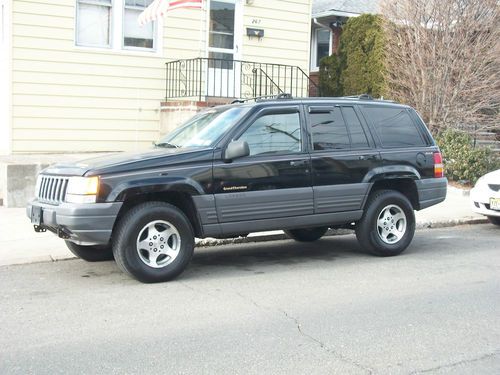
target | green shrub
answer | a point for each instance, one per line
(329, 76)
(461, 160)
(359, 67)
(362, 56)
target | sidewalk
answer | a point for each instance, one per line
(19, 243)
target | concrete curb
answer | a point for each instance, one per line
(273, 236)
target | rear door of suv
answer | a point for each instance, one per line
(342, 154)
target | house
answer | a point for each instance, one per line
(83, 76)
(328, 17)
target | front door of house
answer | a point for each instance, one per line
(224, 47)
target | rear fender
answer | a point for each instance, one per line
(391, 172)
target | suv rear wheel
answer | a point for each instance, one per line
(388, 224)
(153, 242)
(90, 253)
(306, 234)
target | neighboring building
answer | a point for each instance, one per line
(82, 76)
(328, 17)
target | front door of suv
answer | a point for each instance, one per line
(274, 181)
(342, 155)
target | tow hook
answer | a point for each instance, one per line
(63, 233)
(39, 229)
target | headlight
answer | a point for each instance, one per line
(82, 189)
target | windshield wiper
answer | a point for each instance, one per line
(165, 145)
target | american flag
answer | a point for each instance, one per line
(158, 8)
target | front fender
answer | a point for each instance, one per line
(159, 184)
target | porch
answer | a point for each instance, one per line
(205, 79)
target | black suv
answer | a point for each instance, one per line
(301, 165)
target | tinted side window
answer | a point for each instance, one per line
(394, 127)
(274, 133)
(329, 131)
(358, 136)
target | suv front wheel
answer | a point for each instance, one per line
(388, 224)
(153, 242)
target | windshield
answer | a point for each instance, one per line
(204, 129)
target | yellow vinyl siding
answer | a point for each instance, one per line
(286, 26)
(67, 98)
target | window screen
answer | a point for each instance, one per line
(394, 126)
(135, 35)
(329, 131)
(358, 136)
(274, 133)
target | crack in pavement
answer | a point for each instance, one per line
(308, 336)
(458, 363)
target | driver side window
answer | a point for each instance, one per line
(274, 133)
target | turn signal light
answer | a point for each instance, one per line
(438, 165)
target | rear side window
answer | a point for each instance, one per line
(394, 127)
(358, 136)
(329, 131)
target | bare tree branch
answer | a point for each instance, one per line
(443, 58)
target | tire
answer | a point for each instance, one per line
(153, 242)
(306, 234)
(494, 220)
(391, 236)
(91, 253)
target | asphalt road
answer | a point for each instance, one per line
(266, 308)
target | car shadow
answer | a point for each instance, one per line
(263, 257)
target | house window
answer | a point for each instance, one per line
(113, 24)
(322, 46)
(93, 23)
(133, 34)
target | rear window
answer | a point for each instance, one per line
(394, 127)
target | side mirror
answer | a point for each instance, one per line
(236, 149)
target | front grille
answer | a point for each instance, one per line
(51, 189)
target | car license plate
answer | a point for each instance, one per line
(36, 215)
(495, 203)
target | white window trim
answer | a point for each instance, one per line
(116, 34)
(314, 47)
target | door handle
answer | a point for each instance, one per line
(296, 163)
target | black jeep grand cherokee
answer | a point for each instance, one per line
(298, 165)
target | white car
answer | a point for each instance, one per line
(485, 196)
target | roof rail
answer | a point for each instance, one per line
(283, 95)
(360, 97)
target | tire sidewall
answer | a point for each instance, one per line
(373, 212)
(127, 246)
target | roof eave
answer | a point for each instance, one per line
(335, 13)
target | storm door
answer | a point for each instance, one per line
(224, 47)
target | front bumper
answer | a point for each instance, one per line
(84, 224)
(480, 200)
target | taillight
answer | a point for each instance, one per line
(438, 165)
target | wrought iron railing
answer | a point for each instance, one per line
(201, 78)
